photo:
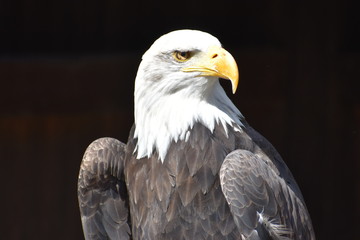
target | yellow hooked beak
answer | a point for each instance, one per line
(217, 62)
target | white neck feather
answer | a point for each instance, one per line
(163, 118)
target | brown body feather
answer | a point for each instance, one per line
(181, 198)
(122, 197)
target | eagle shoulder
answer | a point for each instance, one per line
(261, 201)
(102, 194)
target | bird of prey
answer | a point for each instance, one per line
(192, 168)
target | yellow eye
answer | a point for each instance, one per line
(181, 56)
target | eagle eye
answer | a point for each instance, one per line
(181, 56)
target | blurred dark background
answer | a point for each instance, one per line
(67, 72)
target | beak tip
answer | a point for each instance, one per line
(234, 84)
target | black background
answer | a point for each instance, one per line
(67, 72)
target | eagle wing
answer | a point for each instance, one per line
(102, 191)
(262, 202)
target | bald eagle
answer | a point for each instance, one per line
(192, 168)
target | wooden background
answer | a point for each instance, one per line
(67, 72)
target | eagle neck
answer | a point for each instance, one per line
(159, 121)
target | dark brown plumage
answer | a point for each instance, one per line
(182, 198)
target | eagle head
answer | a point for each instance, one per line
(177, 84)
